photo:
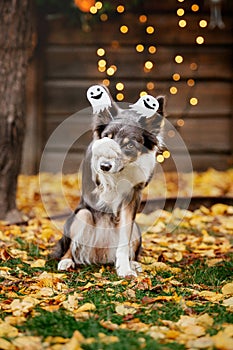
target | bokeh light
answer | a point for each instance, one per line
(98, 5)
(124, 29)
(193, 66)
(143, 93)
(194, 7)
(143, 18)
(203, 23)
(119, 86)
(100, 52)
(180, 122)
(150, 85)
(106, 82)
(149, 65)
(160, 158)
(173, 90)
(182, 23)
(166, 154)
(120, 8)
(193, 101)
(176, 76)
(139, 48)
(190, 82)
(103, 17)
(179, 59)
(120, 96)
(152, 49)
(200, 40)
(150, 30)
(180, 12)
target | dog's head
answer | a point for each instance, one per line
(121, 136)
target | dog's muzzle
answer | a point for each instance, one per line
(106, 156)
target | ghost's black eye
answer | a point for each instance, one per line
(154, 104)
(92, 93)
(148, 99)
(98, 89)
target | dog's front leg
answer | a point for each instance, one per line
(123, 249)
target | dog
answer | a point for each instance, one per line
(118, 164)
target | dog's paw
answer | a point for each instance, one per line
(135, 266)
(65, 265)
(121, 272)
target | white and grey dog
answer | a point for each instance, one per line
(118, 164)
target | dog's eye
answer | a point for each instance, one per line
(130, 145)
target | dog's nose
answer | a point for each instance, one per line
(105, 166)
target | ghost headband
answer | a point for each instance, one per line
(99, 98)
(146, 106)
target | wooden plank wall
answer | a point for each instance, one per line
(70, 67)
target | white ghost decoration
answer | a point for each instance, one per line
(98, 98)
(146, 106)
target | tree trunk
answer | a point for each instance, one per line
(16, 43)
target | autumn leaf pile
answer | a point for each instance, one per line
(47, 194)
(183, 299)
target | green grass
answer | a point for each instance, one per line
(104, 294)
(60, 323)
(218, 312)
(32, 249)
(212, 276)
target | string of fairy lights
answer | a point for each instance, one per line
(109, 69)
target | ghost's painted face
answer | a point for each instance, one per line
(146, 106)
(97, 94)
(98, 98)
(150, 102)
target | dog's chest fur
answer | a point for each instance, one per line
(116, 188)
(96, 242)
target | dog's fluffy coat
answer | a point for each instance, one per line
(118, 164)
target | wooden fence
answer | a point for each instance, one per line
(66, 65)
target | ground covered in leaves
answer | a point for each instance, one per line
(183, 299)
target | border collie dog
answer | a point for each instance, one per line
(118, 164)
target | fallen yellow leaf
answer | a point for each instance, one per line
(228, 330)
(45, 292)
(219, 209)
(71, 303)
(27, 343)
(201, 343)
(5, 344)
(107, 339)
(38, 263)
(211, 296)
(8, 331)
(205, 320)
(15, 320)
(86, 307)
(228, 302)
(227, 289)
(222, 341)
(75, 342)
(21, 307)
(55, 340)
(125, 309)
(109, 325)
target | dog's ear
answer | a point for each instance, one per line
(153, 124)
(155, 121)
(162, 102)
